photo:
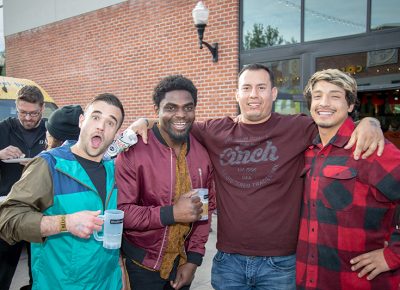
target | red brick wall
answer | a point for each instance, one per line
(126, 49)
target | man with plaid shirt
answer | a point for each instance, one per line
(348, 205)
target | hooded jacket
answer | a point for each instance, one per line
(56, 184)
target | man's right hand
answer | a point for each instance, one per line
(11, 152)
(187, 208)
(140, 127)
(83, 223)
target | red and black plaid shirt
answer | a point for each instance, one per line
(348, 210)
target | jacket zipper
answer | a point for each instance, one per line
(170, 198)
(191, 224)
(87, 186)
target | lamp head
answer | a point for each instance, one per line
(200, 14)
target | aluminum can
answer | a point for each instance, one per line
(124, 141)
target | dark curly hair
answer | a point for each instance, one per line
(173, 83)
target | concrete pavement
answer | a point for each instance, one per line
(202, 280)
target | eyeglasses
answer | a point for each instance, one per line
(33, 114)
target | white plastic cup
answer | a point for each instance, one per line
(112, 232)
(203, 194)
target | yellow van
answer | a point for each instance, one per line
(8, 94)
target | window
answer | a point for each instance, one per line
(385, 14)
(270, 22)
(339, 18)
(287, 79)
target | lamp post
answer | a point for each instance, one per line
(200, 18)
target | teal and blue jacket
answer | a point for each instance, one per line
(64, 261)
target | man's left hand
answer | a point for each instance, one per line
(371, 263)
(184, 276)
(369, 136)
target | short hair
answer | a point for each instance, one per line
(30, 94)
(338, 78)
(109, 99)
(259, 66)
(173, 83)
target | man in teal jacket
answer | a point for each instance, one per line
(56, 203)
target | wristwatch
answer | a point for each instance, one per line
(63, 224)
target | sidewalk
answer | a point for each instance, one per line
(202, 281)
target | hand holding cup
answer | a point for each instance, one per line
(83, 223)
(187, 208)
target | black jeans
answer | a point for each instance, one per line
(143, 279)
(9, 257)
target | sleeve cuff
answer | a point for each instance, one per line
(392, 259)
(194, 258)
(167, 215)
(30, 229)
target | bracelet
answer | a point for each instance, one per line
(63, 224)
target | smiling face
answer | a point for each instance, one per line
(329, 107)
(176, 115)
(255, 96)
(99, 126)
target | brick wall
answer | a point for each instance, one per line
(126, 49)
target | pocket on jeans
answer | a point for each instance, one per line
(283, 262)
(219, 256)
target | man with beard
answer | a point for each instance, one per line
(163, 237)
(20, 137)
(56, 202)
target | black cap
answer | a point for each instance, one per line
(63, 123)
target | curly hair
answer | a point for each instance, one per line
(173, 83)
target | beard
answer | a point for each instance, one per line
(179, 137)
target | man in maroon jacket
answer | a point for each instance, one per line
(163, 236)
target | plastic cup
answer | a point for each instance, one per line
(203, 194)
(112, 232)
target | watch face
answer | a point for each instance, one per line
(63, 225)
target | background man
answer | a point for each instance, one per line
(56, 202)
(20, 137)
(164, 241)
(348, 205)
(258, 162)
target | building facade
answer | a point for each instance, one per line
(125, 47)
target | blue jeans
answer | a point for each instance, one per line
(234, 271)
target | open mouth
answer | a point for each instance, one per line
(96, 141)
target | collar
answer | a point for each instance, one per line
(159, 137)
(342, 136)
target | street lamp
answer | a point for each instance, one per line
(200, 18)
